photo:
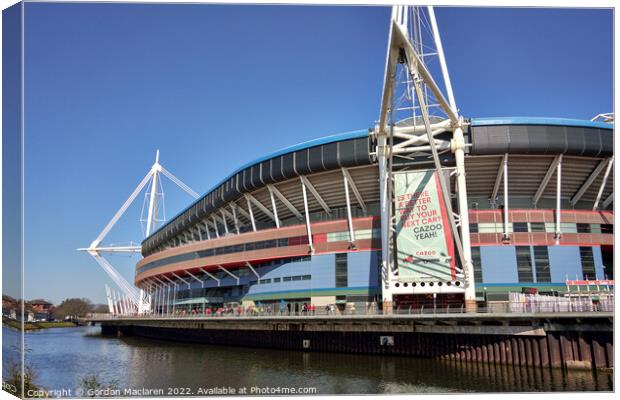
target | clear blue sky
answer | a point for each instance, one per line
(214, 87)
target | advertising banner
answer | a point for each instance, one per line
(424, 243)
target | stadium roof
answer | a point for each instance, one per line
(539, 121)
(486, 121)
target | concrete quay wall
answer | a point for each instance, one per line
(558, 340)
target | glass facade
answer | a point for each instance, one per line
(475, 258)
(524, 264)
(587, 262)
(341, 270)
(541, 259)
(537, 226)
(260, 245)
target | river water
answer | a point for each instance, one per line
(62, 357)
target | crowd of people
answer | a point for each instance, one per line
(299, 309)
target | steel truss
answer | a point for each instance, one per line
(405, 60)
(133, 300)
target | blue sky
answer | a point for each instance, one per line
(214, 87)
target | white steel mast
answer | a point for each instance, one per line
(406, 54)
(138, 299)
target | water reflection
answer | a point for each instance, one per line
(63, 356)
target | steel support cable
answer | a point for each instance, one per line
(178, 182)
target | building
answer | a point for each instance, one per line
(9, 305)
(41, 309)
(303, 225)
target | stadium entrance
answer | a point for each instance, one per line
(405, 302)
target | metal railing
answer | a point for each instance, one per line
(561, 305)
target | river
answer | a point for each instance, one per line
(62, 357)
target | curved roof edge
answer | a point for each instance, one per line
(300, 146)
(486, 121)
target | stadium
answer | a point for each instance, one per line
(303, 225)
(425, 207)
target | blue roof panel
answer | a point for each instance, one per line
(539, 121)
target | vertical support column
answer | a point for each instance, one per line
(174, 299)
(119, 304)
(506, 222)
(154, 299)
(307, 213)
(152, 213)
(468, 268)
(161, 302)
(384, 182)
(349, 217)
(167, 299)
(558, 206)
(114, 304)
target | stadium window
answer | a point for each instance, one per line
(276, 280)
(476, 259)
(608, 262)
(286, 279)
(595, 228)
(607, 228)
(473, 228)
(583, 228)
(297, 278)
(537, 226)
(541, 260)
(497, 297)
(587, 263)
(519, 226)
(306, 277)
(363, 234)
(524, 264)
(265, 281)
(486, 227)
(568, 227)
(341, 270)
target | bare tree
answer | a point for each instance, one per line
(73, 308)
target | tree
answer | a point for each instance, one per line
(100, 309)
(92, 387)
(73, 308)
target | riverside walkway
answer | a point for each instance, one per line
(564, 339)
